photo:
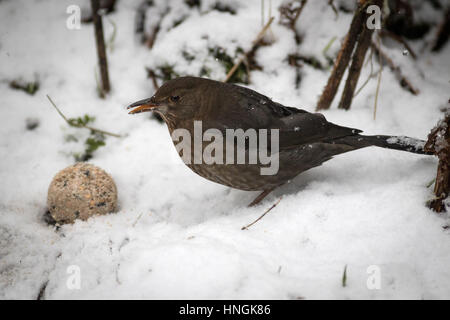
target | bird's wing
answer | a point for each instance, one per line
(307, 128)
(244, 108)
(296, 126)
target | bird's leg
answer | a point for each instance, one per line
(260, 197)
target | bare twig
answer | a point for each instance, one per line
(344, 277)
(443, 32)
(429, 184)
(152, 75)
(254, 44)
(77, 125)
(139, 25)
(267, 211)
(404, 82)
(151, 38)
(137, 219)
(298, 12)
(331, 4)
(371, 75)
(387, 33)
(101, 51)
(378, 84)
(355, 68)
(343, 58)
(270, 8)
(289, 14)
(41, 293)
(328, 46)
(110, 44)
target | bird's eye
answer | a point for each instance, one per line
(174, 98)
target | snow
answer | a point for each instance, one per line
(407, 141)
(177, 235)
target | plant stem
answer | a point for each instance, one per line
(267, 211)
(101, 51)
(81, 125)
(254, 43)
(378, 83)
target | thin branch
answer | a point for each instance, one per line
(331, 4)
(387, 33)
(254, 44)
(270, 8)
(151, 74)
(327, 47)
(289, 14)
(76, 125)
(343, 58)
(355, 68)
(404, 82)
(429, 184)
(150, 39)
(101, 51)
(370, 75)
(443, 32)
(267, 211)
(110, 44)
(298, 12)
(378, 84)
(137, 219)
(262, 32)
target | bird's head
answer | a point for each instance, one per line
(179, 99)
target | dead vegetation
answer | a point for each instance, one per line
(439, 144)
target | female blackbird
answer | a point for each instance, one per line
(305, 140)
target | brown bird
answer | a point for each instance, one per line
(305, 140)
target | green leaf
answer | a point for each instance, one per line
(93, 144)
(81, 121)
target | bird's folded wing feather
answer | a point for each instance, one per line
(296, 126)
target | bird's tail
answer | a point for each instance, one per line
(401, 143)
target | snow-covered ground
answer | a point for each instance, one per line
(177, 235)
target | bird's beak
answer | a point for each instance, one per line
(143, 106)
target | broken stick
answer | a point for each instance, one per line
(254, 44)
